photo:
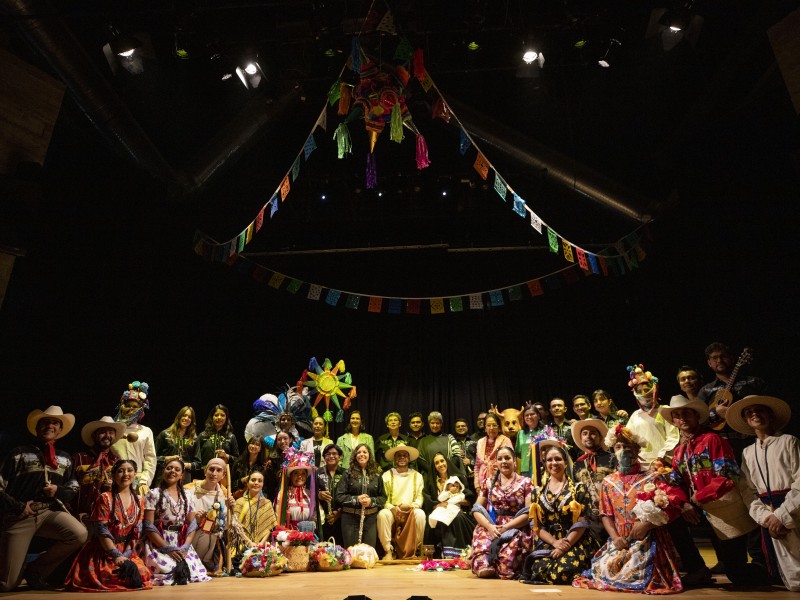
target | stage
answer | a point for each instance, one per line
(396, 582)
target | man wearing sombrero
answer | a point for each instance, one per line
(403, 487)
(36, 481)
(592, 467)
(705, 468)
(93, 465)
(771, 469)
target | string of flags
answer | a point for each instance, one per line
(378, 97)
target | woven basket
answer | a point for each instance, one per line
(296, 557)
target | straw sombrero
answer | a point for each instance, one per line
(781, 413)
(579, 426)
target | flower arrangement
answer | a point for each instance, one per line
(448, 564)
(264, 560)
(327, 556)
(650, 503)
(620, 431)
(292, 537)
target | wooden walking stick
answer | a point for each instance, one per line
(228, 557)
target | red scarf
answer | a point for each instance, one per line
(49, 453)
(590, 459)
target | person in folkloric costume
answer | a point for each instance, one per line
(36, 481)
(771, 470)
(109, 562)
(592, 467)
(138, 443)
(93, 465)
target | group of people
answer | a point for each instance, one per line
(601, 501)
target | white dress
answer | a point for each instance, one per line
(774, 465)
(446, 514)
(173, 515)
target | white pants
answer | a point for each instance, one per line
(386, 520)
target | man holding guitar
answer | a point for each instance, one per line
(726, 389)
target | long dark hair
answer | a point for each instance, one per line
(530, 406)
(162, 485)
(354, 469)
(243, 460)
(115, 490)
(227, 429)
(432, 476)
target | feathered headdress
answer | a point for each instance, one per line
(639, 375)
(269, 408)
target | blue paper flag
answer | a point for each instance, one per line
(496, 298)
(296, 169)
(464, 143)
(500, 186)
(333, 297)
(395, 306)
(274, 208)
(519, 205)
(310, 146)
(593, 263)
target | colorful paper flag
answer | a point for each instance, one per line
(481, 165)
(582, 263)
(333, 297)
(314, 291)
(437, 306)
(552, 238)
(285, 187)
(375, 304)
(276, 280)
(567, 250)
(535, 287)
(412, 306)
(249, 232)
(593, 263)
(323, 117)
(500, 186)
(426, 82)
(309, 146)
(476, 302)
(536, 222)
(464, 143)
(496, 298)
(456, 304)
(353, 301)
(294, 286)
(395, 306)
(519, 206)
(404, 50)
(274, 207)
(295, 169)
(259, 219)
(240, 241)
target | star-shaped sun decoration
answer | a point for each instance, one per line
(331, 383)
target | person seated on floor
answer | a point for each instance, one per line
(256, 516)
(559, 513)
(502, 538)
(771, 469)
(635, 505)
(109, 562)
(212, 503)
(403, 508)
(168, 529)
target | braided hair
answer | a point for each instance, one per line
(162, 485)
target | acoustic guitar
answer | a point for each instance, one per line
(724, 397)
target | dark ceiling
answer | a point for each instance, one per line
(703, 138)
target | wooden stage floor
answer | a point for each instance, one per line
(395, 582)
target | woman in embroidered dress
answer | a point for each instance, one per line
(169, 528)
(178, 440)
(560, 514)
(105, 562)
(486, 451)
(211, 501)
(502, 538)
(216, 441)
(639, 555)
(450, 539)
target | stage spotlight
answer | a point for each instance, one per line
(607, 58)
(250, 73)
(532, 52)
(672, 26)
(127, 51)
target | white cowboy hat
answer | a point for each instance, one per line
(104, 423)
(678, 401)
(578, 426)
(413, 453)
(51, 412)
(781, 413)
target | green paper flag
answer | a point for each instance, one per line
(552, 238)
(456, 304)
(293, 286)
